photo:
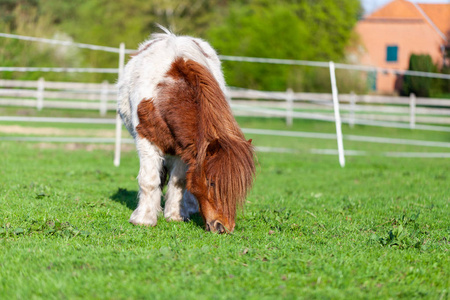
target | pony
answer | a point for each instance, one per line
(172, 100)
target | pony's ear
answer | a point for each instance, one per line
(213, 147)
(250, 141)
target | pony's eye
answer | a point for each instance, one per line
(211, 183)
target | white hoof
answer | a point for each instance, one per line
(143, 218)
(173, 213)
(174, 217)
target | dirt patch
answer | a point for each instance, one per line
(50, 131)
(16, 129)
(84, 147)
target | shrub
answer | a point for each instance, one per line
(421, 86)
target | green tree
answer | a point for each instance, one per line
(305, 30)
(25, 18)
(100, 22)
(293, 29)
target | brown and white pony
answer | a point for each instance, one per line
(172, 100)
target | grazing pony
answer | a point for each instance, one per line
(172, 101)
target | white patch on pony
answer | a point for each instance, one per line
(149, 205)
(173, 210)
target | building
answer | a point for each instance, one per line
(397, 30)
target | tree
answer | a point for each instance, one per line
(305, 30)
(25, 18)
(100, 22)
(293, 29)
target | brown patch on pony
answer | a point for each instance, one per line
(190, 117)
(201, 49)
(153, 128)
(145, 48)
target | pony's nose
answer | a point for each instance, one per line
(215, 226)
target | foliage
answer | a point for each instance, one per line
(51, 228)
(420, 86)
(308, 30)
(97, 22)
(405, 234)
(305, 30)
(442, 86)
(24, 19)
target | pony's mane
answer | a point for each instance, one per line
(223, 152)
(155, 37)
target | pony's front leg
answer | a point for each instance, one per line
(149, 206)
(173, 210)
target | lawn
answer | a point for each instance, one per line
(378, 228)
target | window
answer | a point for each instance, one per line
(372, 80)
(392, 53)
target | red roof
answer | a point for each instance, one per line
(397, 9)
(440, 15)
(437, 15)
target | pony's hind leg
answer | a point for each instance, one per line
(190, 204)
(173, 210)
(149, 205)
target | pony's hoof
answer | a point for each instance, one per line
(174, 218)
(175, 215)
(139, 219)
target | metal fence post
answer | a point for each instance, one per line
(412, 110)
(337, 115)
(289, 107)
(118, 120)
(40, 94)
(104, 98)
(351, 115)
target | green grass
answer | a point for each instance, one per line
(379, 228)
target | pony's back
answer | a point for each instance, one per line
(149, 65)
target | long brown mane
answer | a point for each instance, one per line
(191, 118)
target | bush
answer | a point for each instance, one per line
(420, 86)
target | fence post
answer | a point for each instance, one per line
(40, 94)
(289, 107)
(118, 120)
(104, 98)
(412, 110)
(337, 115)
(351, 120)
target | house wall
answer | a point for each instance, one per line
(411, 37)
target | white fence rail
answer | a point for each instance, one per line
(387, 111)
(397, 112)
(49, 94)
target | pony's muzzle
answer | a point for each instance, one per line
(215, 226)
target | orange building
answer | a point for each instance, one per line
(397, 30)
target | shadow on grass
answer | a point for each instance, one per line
(197, 220)
(130, 200)
(126, 197)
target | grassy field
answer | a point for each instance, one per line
(379, 228)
